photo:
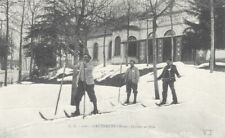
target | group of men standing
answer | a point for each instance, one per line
(131, 77)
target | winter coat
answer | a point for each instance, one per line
(132, 75)
(169, 72)
(86, 73)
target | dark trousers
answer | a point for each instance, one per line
(165, 84)
(131, 86)
(82, 87)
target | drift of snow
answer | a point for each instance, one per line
(200, 114)
(207, 64)
(60, 72)
(100, 72)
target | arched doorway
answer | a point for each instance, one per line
(117, 46)
(95, 51)
(167, 46)
(110, 50)
(132, 47)
(187, 53)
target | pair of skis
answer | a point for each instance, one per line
(128, 104)
(161, 105)
(67, 115)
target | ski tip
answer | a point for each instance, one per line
(42, 116)
(66, 114)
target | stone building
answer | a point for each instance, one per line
(116, 41)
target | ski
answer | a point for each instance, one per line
(49, 119)
(160, 105)
(171, 104)
(43, 117)
(125, 104)
(99, 113)
(90, 114)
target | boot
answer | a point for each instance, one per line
(174, 102)
(77, 112)
(162, 103)
(127, 101)
(128, 97)
(95, 111)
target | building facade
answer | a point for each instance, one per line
(136, 45)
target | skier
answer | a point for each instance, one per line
(131, 80)
(168, 78)
(85, 83)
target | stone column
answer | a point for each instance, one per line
(178, 48)
(160, 50)
(142, 53)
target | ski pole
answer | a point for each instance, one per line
(121, 83)
(60, 89)
(84, 85)
(84, 104)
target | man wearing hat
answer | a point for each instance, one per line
(168, 79)
(131, 80)
(85, 83)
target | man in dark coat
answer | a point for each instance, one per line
(168, 79)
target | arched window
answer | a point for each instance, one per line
(117, 46)
(110, 50)
(95, 51)
(169, 33)
(132, 47)
(188, 30)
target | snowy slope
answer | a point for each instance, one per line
(200, 114)
(100, 72)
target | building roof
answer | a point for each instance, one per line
(99, 32)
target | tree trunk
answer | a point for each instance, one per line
(147, 54)
(32, 52)
(7, 42)
(11, 52)
(172, 41)
(212, 55)
(155, 58)
(128, 31)
(104, 59)
(21, 43)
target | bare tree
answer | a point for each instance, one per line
(128, 30)
(82, 16)
(104, 59)
(33, 6)
(7, 42)
(9, 15)
(212, 53)
(21, 41)
(155, 9)
(171, 24)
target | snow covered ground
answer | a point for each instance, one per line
(200, 114)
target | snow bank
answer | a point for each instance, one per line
(59, 72)
(100, 72)
(207, 64)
